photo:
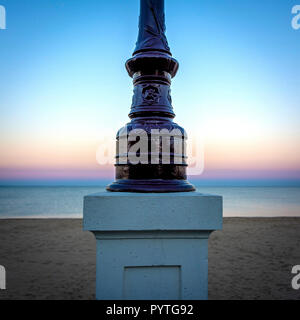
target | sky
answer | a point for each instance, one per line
(64, 90)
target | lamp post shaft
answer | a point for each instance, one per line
(152, 27)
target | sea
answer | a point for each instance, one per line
(67, 202)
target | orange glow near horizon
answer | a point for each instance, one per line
(66, 159)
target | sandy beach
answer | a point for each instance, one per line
(251, 258)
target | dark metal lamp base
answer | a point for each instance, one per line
(150, 186)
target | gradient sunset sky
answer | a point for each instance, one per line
(64, 90)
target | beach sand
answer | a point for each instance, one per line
(251, 258)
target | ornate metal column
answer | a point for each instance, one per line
(152, 67)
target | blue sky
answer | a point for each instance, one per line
(63, 79)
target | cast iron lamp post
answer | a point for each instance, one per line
(151, 246)
(152, 67)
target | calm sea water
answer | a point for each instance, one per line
(67, 202)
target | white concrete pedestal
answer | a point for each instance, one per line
(152, 246)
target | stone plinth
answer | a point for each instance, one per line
(152, 246)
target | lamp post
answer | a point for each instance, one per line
(151, 149)
(152, 244)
